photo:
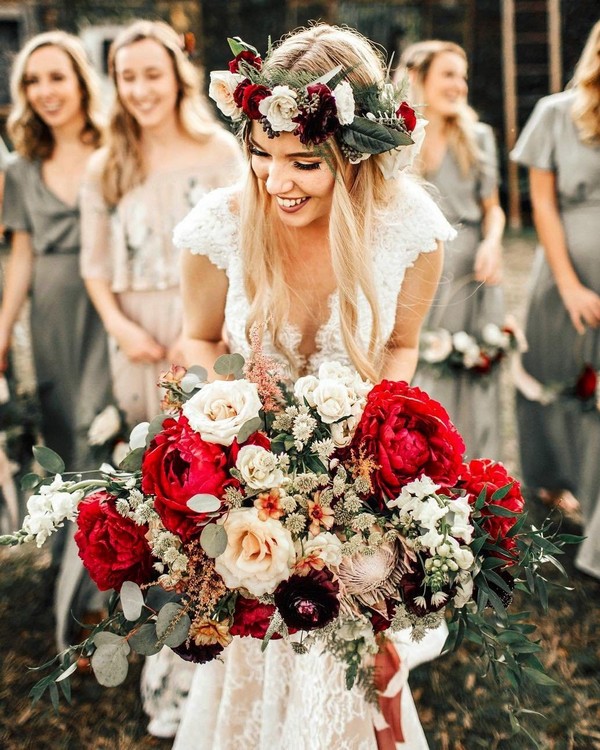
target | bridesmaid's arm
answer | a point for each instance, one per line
(418, 289)
(16, 286)
(582, 304)
(488, 259)
(204, 292)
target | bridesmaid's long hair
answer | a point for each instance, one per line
(31, 136)
(586, 110)
(359, 190)
(416, 60)
(124, 167)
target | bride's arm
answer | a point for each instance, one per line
(414, 300)
(204, 290)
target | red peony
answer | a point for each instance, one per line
(407, 113)
(308, 602)
(252, 618)
(246, 56)
(406, 434)
(113, 548)
(586, 383)
(178, 465)
(317, 123)
(480, 473)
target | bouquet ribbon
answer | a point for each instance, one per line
(389, 681)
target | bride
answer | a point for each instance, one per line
(335, 262)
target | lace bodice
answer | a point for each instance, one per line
(412, 225)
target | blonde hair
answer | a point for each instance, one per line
(417, 60)
(358, 191)
(31, 136)
(586, 110)
(124, 166)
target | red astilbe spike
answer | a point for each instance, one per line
(264, 372)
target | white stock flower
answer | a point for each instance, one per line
(332, 401)
(431, 540)
(222, 85)
(220, 409)
(259, 467)
(259, 554)
(304, 388)
(494, 335)
(464, 591)
(391, 163)
(428, 512)
(436, 346)
(280, 108)
(104, 426)
(344, 103)
(459, 518)
(137, 438)
(326, 546)
(50, 509)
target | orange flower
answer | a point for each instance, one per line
(268, 505)
(210, 632)
(308, 563)
(319, 515)
(173, 375)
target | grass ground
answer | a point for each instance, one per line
(459, 710)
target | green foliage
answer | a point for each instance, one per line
(48, 459)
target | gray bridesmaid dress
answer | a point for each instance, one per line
(69, 348)
(560, 442)
(463, 304)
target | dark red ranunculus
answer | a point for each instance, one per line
(238, 92)
(113, 548)
(310, 601)
(407, 113)
(198, 654)
(586, 383)
(483, 472)
(252, 618)
(253, 95)
(406, 434)
(318, 123)
(177, 465)
(248, 57)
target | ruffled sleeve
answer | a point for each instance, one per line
(536, 144)
(15, 213)
(488, 173)
(211, 228)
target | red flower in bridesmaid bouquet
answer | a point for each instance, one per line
(587, 383)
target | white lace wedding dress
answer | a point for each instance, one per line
(277, 700)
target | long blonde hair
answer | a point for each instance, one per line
(31, 136)
(124, 166)
(586, 110)
(358, 191)
(416, 60)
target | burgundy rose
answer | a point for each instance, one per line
(483, 473)
(253, 95)
(248, 57)
(406, 434)
(586, 383)
(198, 654)
(317, 123)
(310, 601)
(407, 113)
(113, 548)
(238, 93)
(177, 465)
(252, 618)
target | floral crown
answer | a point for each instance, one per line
(365, 121)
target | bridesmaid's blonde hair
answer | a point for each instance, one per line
(586, 110)
(416, 60)
(124, 166)
(359, 190)
(31, 136)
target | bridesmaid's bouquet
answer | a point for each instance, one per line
(328, 512)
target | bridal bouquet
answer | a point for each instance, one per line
(329, 511)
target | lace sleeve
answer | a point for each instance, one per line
(210, 228)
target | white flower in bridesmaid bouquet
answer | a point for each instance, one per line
(495, 336)
(436, 346)
(49, 509)
(105, 426)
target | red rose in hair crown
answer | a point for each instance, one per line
(178, 465)
(406, 434)
(113, 548)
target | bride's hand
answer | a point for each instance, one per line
(583, 306)
(137, 344)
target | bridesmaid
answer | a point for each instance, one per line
(459, 158)
(164, 151)
(560, 440)
(55, 129)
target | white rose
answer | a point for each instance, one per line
(259, 467)
(494, 335)
(222, 85)
(326, 546)
(259, 554)
(280, 108)
(342, 432)
(462, 341)
(472, 356)
(436, 346)
(304, 388)
(332, 401)
(105, 426)
(220, 409)
(344, 102)
(391, 163)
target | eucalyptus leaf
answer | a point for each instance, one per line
(132, 600)
(48, 459)
(371, 137)
(133, 461)
(229, 364)
(104, 638)
(172, 627)
(30, 481)
(109, 663)
(155, 427)
(145, 640)
(191, 380)
(203, 503)
(249, 428)
(214, 539)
